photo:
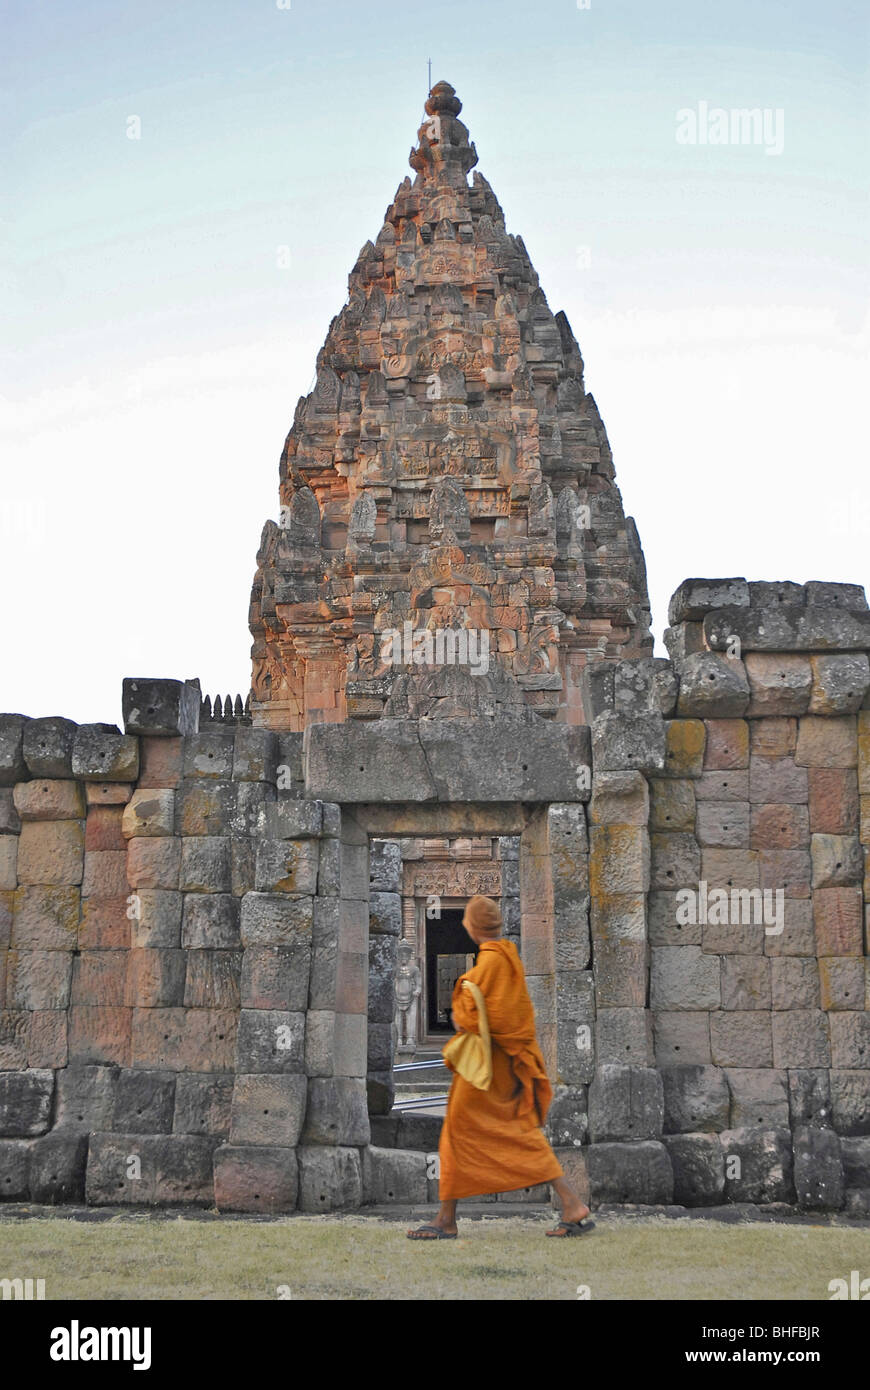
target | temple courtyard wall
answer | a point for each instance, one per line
(198, 928)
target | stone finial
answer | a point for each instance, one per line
(443, 100)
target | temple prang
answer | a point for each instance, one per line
(449, 470)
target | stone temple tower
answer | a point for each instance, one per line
(449, 474)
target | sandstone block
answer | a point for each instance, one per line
(330, 1179)
(800, 1038)
(172, 1168)
(47, 1039)
(685, 743)
(624, 1036)
(100, 1034)
(794, 983)
(25, 1103)
(177, 1039)
(842, 982)
(45, 918)
(102, 754)
(391, 1175)
(773, 738)
(85, 1098)
(778, 780)
(827, 742)
(758, 1164)
(155, 918)
(619, 798)
(144, 1102)
(149, 812)
(809, 1096)
(47, 745)
(730, 785)
(625, 1103)
(681, 1038)
(695, 598)
(51, 852)
(209, 754)
(672, 804)
(161, 762)
(850, 1040)
(255, 756)
(105, 874)
(850, 1101)
(675, 861)
(833, 801)
(160, 708)
(288, 819)
(838, 860)
(624, 743)
(156, 978)
(741, 1038)
(287, 866)
(745, 982)
(759, 1096)
(12, 765)
(206, 865)
(632, 1172)
(723, 824)
(57, 1168)
(619, 859)
(838, 921)
(210, 921)
(727, 745)
(48, 800)
(154, 863)
(202, 1104)
(275, 919)
(696, 1098)
(255, 1179)
(699, 1168)
(840, 682)
(780, 684)
(38, 979)
(818, 1169)
(15, 1169)
(276, 977)
(779, 827)
(712, 687)
(270, 1040)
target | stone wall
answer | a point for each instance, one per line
(196, 936)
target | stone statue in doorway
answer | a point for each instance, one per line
(408, 987)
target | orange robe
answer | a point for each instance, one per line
(492, 1141)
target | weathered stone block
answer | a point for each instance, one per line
(855, 1158)
(741, 1039)
(818, 1169)
(681, 1038)
(671, 805)
(210, 921)
(383, 959)
(144, 1102)
(15, 1169)
(685, 742)
(745, 982)
(212, 980)
(827, 742)
(683, 977)
(206, 807)
(838, 860)
(392, 1175)
(209, 754)
(625, 1103)
(850, 1101)
(287, 866)
(385, 914)
(624, 1037)
(8, 862)
(696, 1098)
(727, 745)
(206, 865)
(103, 829)
(758, 1165)
(85, 1098)
(275, 919)
(840, 682)
(288, 819)
(850, 1040)
(160, 708)
(780, 684)
(772, 738)
(667, 921)
(712, 687)
(155, 918)
(833, 801)
(25, 1103)
(202, 1104)
(153, 863)
(637, 1172)
(45, 799)
(172, 1168)
(161, 762)
(45, 918)
(794, 983)
(730, 786)
(12, 765)
(184, 1039)
(149, 812)
(100, 1034)
(330, 1179)
(255, 1179)
(623, 743)
(103, 754)
(619, 860)
(759, 1096)
(809, 1096)
(276, 977)
(777, 780)
(842, 980)
(47, 745)
(723, 824)
(838, 921)
(47, 1039)
(695, 598)
(699, 1168)
(567, 1118)
(57, 1168)
(337, 1112)
(620, 798)
(268, 1109)
(675, 861)
(270, 1040)
(38, 979)
(51, 852)
(385, 866)
(800, 1039)
(255, 756)
(779, 827)
(105, 874)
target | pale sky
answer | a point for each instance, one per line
(157, 341)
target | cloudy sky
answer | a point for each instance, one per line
(166, 295)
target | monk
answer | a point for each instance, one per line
(492, 1141)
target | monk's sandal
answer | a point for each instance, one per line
(423, 1233)
(572, 1228)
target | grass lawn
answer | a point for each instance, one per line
(362, 1257)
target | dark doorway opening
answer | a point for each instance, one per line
(448, 946)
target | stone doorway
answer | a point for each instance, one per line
(447, 953)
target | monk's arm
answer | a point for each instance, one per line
(465, 1015)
